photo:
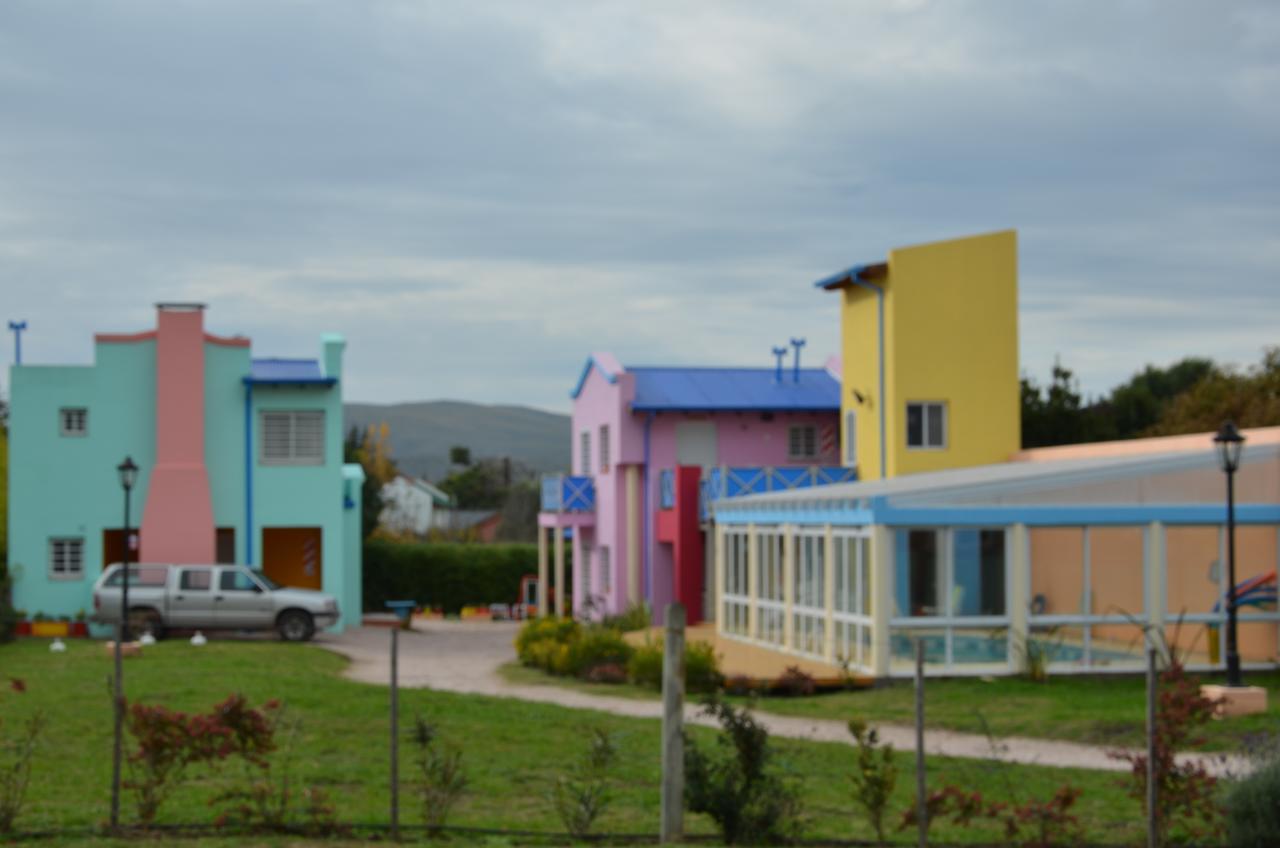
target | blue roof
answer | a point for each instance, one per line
(288, 372)
(734, 389)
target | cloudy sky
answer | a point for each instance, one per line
(477, 194)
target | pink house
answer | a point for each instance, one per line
(652, 448)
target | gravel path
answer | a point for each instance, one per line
(464, 657)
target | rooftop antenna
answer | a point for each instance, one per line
(797, 344)
(779, 352)
(17, 327)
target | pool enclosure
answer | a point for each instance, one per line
(1075, 564)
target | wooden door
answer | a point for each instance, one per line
(291, 556)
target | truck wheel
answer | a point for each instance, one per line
(144, 619)
(295, 626)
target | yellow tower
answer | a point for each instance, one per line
(930, 376)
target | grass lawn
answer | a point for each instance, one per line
(1095, 710)
(513, 750)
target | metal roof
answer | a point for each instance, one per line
(287, 372)
(734, 389)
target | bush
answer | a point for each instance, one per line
(17, 755)
(8, 617)
(545, 643)
(583, 795)
(735, 787)
(595, 647)
(875, 775)
(446, 575)
(794, 681)
(701, 667)
(442, 780)
(635, 617)
(1253, 808)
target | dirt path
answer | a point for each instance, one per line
(465, 657)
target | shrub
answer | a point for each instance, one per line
(597, 646)
(583, 795)
(16, 758)
(442, 779)
(636, 616)
(8, 615)
(544, 642)
(794, 681)
(1187, 791)
(735, 786)
(701, 667)
(611, 673)
(448, 575)
(1253, 808)
(875, 777)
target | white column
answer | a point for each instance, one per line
(1019, 565)
(788, 585)
(1155, 578)
(753, 581)
(720, 566)
(828, 595)
(633, 535)
(543, 571)
(559, 554)
(881, 597)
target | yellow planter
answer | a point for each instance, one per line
(50, 628)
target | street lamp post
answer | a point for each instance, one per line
(128, 476)
(1230, 443)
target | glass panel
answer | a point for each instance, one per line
(979, 572)
(1057, 571)
(1053, 645)
(1255, 552)
(917, 573)
(936, 437)
(864, 566)
(902, 646)
(1115, 571)
(1257, 641)
(976, 646)
(1195, 643)
(1117, 645)
(1192, 578)
(915, 425)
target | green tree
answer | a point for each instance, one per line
(1055, 415)
(372, 450)
(1251, 398)
(478, 486)
(1134, 407)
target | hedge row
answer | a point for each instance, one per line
(447, 575)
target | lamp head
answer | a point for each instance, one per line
(1229, 443)
(128, 473)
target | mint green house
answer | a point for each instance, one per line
(240, 458)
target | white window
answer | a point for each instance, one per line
(73, 421)
(585, 453)
(802, 442)
(606, 573)
(604, 448)
(927, 425)
(851, 438)
(293, 437)
(66, 558)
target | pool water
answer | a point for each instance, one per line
(975, 649)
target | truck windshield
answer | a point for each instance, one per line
(267, 581)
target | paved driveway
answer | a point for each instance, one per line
(464, 656)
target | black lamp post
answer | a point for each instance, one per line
(128, 476)
(1229, 443)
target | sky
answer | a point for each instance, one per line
(479, 194)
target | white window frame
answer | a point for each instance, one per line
(807, 435)
(584, 453)
(925, 432)
(604, 448)
(60, 548)
(68, 414)
(851, 438)
(606, 570)
(292, 455)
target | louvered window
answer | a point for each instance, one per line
(802, 442)
(293, 437)
(66, 558)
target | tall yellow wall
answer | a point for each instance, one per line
(951, 335)
(952, 316)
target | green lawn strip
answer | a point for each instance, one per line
(513, 749)
(1094, 710)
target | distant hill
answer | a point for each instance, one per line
(423, 432)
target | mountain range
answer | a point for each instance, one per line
(421, 434)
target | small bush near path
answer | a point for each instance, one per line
(874, 776)
(583, 795)
(736, 785)
(441, 779)
(1253, 809)
(17, 756)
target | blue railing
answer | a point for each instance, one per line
(666, 488)
(565, 493)
(734, 481)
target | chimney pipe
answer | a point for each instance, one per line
(779, 352)
(797, 344)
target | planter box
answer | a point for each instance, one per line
(79, 630)
(50, 628)
(22, 628)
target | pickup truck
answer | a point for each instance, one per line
(210, 597)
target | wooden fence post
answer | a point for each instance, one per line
(922, 809)
(673, 725)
